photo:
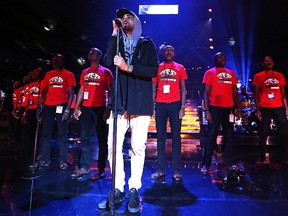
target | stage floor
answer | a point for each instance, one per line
(263, 190)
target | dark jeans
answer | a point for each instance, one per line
(220, 116)
(90, 116)
(15, 127)
(28, 134)
(279, 116)
(165, 111)
(49, 118)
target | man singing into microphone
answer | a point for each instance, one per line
(138, 63)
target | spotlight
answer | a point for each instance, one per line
(158, 9)
(46, 28)
(254, 124)
(49, 25)
(81, 61)
(231, 42)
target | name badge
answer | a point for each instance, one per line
(59, 109)
(231, 117)
(166, 89)
(271, 96)
(86, 94)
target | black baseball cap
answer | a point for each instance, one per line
(217, 54)
(97, 50)
(167, 46)
(122, 11)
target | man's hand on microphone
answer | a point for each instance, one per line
(116, 24)
(120, 62)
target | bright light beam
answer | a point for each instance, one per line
(158, 9)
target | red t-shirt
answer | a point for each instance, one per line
(73, 104)
(269, 84)
(221, 81)
(17, 99)
(34, 94)
(58, 85)
(171, 74)
(25, 95)
(95, 81)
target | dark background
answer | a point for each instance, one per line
(259, 28)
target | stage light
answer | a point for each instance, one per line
(231, 41)
(81, 61)
(49, 25)
(46, 28)
(211, 47)
(158, 9)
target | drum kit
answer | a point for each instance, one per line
(249, 122)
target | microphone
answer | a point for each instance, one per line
(118, 22)
(47, 62)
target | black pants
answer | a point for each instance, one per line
(279, 116)
(88, 118)
(220, 116)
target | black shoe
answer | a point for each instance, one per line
(157, 175)
(134, 202)
(79, 172)
(204, 170)
(119, 198)
(35, 166)
(63, 165)
(99, 175)
(42, 165)
(177, 178)
(238, 167)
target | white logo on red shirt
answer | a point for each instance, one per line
(56, 82)
(168, 75)
(92, 79)
(224, 77)
(271, 83)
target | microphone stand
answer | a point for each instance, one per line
(115, 116)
